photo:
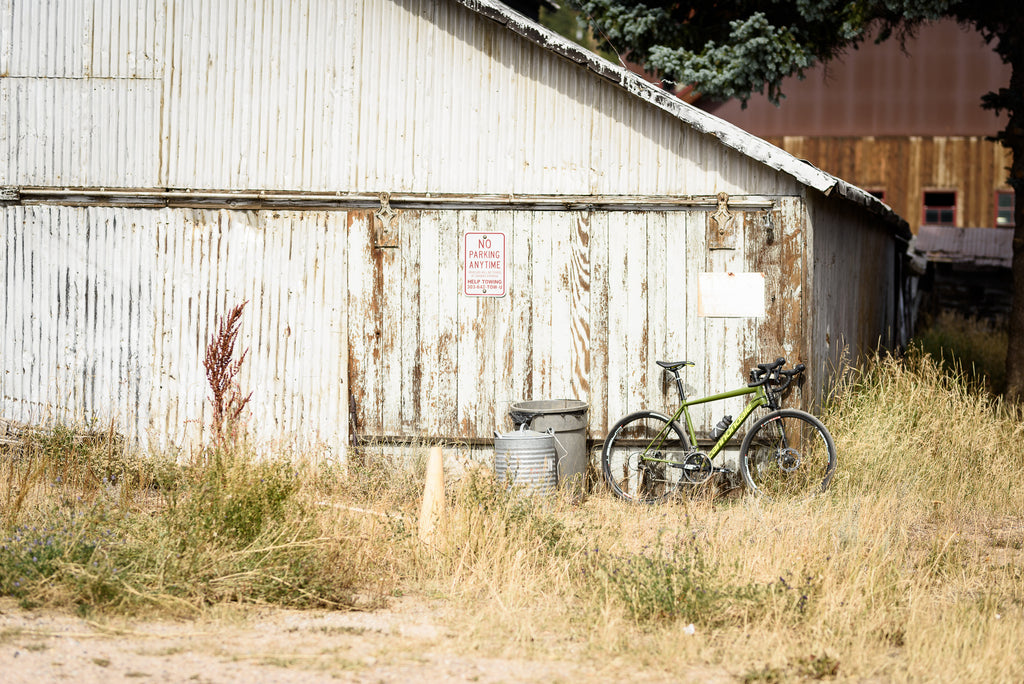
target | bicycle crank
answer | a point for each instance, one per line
(697, 467)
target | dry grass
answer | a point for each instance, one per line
(908, 568)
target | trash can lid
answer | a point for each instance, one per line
(546, 406)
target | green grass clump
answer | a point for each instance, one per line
(967, 345)
(71, 546)
(229, 527)
(232, 499)
(681, 584)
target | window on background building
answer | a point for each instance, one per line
(939, 208)
(1004, 209)
(878, 194)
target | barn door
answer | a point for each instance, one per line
(750, 291)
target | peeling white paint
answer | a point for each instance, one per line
(108, 307)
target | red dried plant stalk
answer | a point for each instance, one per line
(221, 372)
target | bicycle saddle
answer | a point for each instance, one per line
(673, 365)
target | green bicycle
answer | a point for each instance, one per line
(648, 455)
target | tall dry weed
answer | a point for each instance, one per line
(222, 370)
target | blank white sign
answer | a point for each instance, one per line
(730, 295)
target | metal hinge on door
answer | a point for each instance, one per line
(386, 232)
(721, 225)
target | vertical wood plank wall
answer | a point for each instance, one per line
(853, 276)
(905, 167)
(108, 312)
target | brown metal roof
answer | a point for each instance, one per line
(934, 88)
(977, 246)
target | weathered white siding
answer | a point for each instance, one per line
(854, 276)
(108, 312)
(107, 308)
(80, 92)
(329, 95)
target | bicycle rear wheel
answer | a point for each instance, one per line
(643, 456)
(787, 452)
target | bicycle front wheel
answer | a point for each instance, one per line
(787, 452)
(643, 457)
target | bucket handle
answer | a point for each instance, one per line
(558, 459)
(522, 428)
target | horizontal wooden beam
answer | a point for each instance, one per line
(274, 199)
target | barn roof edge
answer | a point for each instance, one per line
(730, 135)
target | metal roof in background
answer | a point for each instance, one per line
(932, 86)
(975, 246)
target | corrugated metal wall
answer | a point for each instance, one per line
(854, 275)
(328, 95)
(108, 312)
(108, 309)
(80, 92)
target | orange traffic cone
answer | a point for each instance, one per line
(433, 496)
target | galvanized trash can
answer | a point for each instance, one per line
(568, 419)
(526, 459)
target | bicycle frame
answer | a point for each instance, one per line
(760, 399)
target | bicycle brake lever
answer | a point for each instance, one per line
(758, 375)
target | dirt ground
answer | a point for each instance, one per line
(408, 641)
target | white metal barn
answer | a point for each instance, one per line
(333, 162)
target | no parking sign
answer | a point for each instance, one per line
(483, 265)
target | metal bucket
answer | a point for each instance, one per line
(567, 418)
(526, 459)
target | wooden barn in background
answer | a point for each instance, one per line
(335, 163)
(904, 122)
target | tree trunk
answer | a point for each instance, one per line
(1015, 348)
(1013, 138)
